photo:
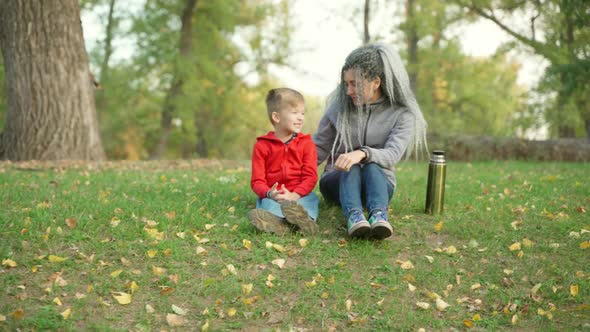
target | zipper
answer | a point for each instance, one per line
(366, 127)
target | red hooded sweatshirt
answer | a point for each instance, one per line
(293, 165)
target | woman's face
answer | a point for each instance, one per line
(370, 89)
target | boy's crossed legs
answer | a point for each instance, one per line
(274, 217)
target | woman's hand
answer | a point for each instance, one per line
(346, 160)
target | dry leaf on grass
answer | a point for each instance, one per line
(122, 298)
(174, 320)
(8, 263)
(66, 313)
(279, 262)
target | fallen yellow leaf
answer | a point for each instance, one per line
(423, 305)
(116, 273)
(250, 300)
(158, 271)
(133, 287)
(514, 246)
(407, 265)
(55, 259)
(279, 262)
(247, 244)
(574, 289)
(303, 243)
(231, 312)
(585, 245)
(178, 310)
(175, 320)
(441, 305)
(8, 263)
(278, 247)
(467, 323)
(247, 288)
(66, 313)
(122, 298)
(438, 226)
(231, 269)
(152, 253)
(527, 243)
(348, 305)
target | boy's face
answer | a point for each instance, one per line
(290, 119)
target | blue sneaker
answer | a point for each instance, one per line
(380, 227)
(357, 224)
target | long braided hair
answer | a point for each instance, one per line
(371, 61)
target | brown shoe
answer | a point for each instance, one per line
(296, 215)
(268, 222)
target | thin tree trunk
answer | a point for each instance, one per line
(108, 42)
(367, 35)
(169, 107)
(412, 42)
(101, 98)
(50, 103)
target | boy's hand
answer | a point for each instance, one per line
(346, 160)
(273, 192)
(287, 195)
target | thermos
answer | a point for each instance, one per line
(435, 190)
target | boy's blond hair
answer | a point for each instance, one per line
(279, 98)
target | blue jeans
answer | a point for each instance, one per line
(310, 204)
(363, 183)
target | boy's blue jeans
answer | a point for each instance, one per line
(366, 183)
(310, 204)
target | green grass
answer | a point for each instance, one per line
(359, 285)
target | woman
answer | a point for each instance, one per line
(372, 119)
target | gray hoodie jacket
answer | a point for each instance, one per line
(384, 135)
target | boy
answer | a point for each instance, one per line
(284, 169)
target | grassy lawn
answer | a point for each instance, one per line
(150, 247)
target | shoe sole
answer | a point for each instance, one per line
(296, 215)
(268, 222)
(360, 230)
(381, 230)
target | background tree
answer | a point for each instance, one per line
(558, 31)
(50, 99)
(458, 94)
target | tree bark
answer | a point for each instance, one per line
(50, 104)
(366, 35)
(412, 42)
(185, 50)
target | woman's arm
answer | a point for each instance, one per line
(324, 138)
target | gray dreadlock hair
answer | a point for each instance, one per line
(369, 62)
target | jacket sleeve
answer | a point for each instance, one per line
(309, 176)
(395, 145)
(324, 138)
(258, 179)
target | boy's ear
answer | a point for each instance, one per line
(275, 117)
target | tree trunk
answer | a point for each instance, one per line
(101, 95)
(185, 49)
(412, 42)
(50, 104)
(366, 35)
